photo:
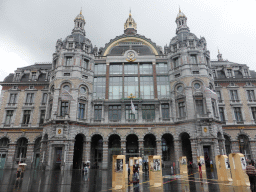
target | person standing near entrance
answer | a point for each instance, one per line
(250, 170)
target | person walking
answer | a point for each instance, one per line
(250, 171)
(200, 166)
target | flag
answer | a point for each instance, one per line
(132, 108)
(210, 93)
(65, 95)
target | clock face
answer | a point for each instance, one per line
(130, 55)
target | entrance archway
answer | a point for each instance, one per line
(149, 144)
(132, 147)
(78, 152)
(186, 146)
(168, 148)
(227, 144)
(114, 147)
(96, 151)
(244, 146)
(37, 148)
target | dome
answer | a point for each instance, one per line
(80, 16)
(180, 14)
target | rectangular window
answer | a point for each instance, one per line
(233, 95)
(214, 108)
(146, 69)
(131, 86)
(66, 74)
(219, 96)
(70, 45)
(196, 72)
(9, 115)
(148, 112)
(238, 114)
(131, 69)
(44, 100)
(161, 68)
(99, 87)
(50, 111)
(33, 77)
(163, 86)
(97, 112)
(181, 106)
(222, 115)
(114, 112)
(26, 117)
(115, 87)
(100, 69)
(147, 87)
(229, 72)
(246, 74)
(42, 117)
(30, 98)
(176, 62)
(13, 98)
(193, 59)
(129, 114)
(253, 113)
(165, 111)
(191, 44)
(85, 64)
(64, 108)
(81, 111)
(250, 95)
(199, 107)
(69, 61)
(116, 69)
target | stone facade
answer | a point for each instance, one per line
(129, 97)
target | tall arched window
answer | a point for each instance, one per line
(22, 148)
(227, 144)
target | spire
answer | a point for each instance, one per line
(130, 26)
(181, 21)
(79, 23)
(219, 56)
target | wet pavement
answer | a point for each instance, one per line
(101, 180)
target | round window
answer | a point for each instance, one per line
(66, 87)
(179, 88)
(197, 85)
(82, 90)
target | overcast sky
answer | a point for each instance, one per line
(29, 29)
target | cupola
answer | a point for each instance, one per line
(130, 26)
(79, 23)
(181, 21)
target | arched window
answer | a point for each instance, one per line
(227, 144)
(22, 148)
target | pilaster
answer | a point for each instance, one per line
(105, 155)
(158, 147)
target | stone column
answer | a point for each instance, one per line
(88, 149)
(177, 152)
(159, 147)
(29, 155)
(105, 155)
(123, 146)
(69, 155)
(194, 151)
(141, 147)
(253, 149)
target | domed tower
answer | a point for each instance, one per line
(192, 88)
(130, 26)
(71, 87)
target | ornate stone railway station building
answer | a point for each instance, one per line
(129, 97)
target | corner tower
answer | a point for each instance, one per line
(70, 95)
(192, 90)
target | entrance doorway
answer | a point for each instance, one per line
(186, 146)
(2, 160)
(168, 148)
(78, 152)
(207, 155)
(114, 148)
(132, 148)
(96, 151)
(58, 158)
(149, 145)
